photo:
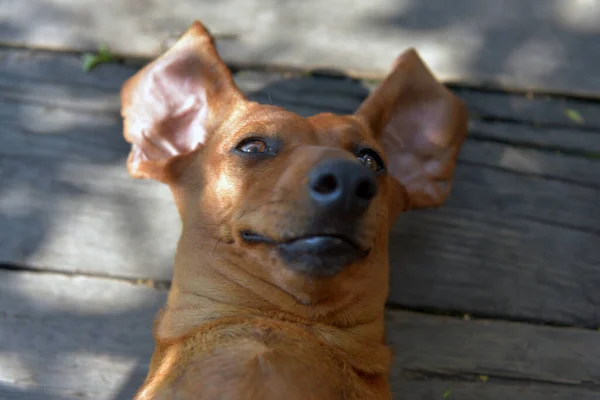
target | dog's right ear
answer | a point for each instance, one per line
(172, 105)
(421, 125)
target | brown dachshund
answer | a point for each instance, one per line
(281, 271)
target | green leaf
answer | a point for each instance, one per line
(90, 61)
(447, 394)
(574, 116)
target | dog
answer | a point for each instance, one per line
(281, 270)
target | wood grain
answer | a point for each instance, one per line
(560, 141)
(440, 389)
(521, 44)
(453, 347)
(69, 337)
(534, 110)
(73, 337)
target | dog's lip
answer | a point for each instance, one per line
(253, 237)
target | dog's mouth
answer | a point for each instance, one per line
(313, 254)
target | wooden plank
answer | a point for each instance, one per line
(568, 141)
(453, 390)
(97, 334)
(495, 264)
(453, 347)
(67, 203)
(520, 44)
(536, 110)
(26, 73)
(73, 337)
(80, 217)
(551, 164)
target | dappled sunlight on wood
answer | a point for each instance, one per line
(518, 159)
(491, 43)
(65, 335)
(579, 15)
(86, 251)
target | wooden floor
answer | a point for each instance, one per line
(494, 296)
(523, 44)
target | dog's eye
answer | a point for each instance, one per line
(371, 160)
(253, 145)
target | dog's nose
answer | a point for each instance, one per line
(342, 186)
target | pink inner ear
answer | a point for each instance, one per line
(172, 104)
(181, 130)
(422, 145)
(168, 114)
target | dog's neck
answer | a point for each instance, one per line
(211, 283)
(208, 285)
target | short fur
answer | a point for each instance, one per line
(239, 323)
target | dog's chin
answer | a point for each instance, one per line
(317, 255)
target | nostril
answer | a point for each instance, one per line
(325, 184)
(366, 189)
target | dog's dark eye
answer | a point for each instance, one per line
(253, 145)
(370, 159)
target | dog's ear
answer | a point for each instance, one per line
(172, 105)
(421, 126)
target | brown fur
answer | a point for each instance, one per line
(238, 323)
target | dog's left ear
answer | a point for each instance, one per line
(173, 105)
(421, 126)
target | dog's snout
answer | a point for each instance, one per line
(342, 186)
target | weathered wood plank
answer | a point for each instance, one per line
(550, 164)
(27, 73)
(453, 390)
(73, 337)
(452, 347)
(556, 140)
(79, 337)
(67, 203)
(539, 110)
(85, 218)
(520, 44)
(492, 263)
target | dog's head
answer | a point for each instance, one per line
(290, 199)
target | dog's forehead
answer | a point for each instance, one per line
(268, 119)
(344, 130)
(335, 124)
(321, 129)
